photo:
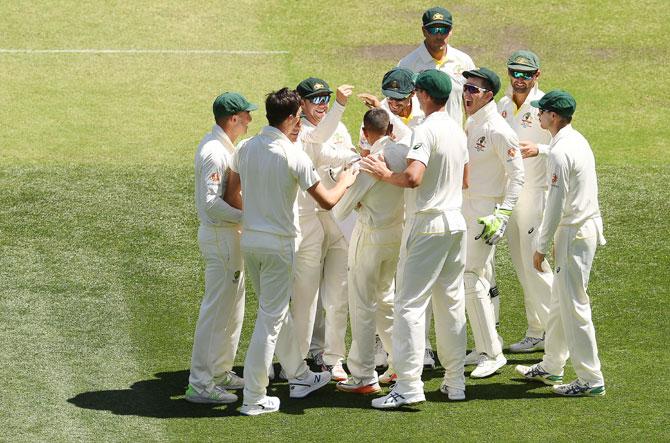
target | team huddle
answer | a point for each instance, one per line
(397, 233)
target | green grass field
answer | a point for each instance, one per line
(100, 274)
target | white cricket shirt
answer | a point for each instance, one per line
(573, 188)
(525, 121)
(496, 168)
(271, 170)
(212, 159)
(453, 64)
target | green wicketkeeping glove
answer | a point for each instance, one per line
(494, 225)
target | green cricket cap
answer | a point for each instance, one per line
(398, 83)
(437, 16)
(313, 86)
(558, 101)
(488, 75)
(230, 103)
(436, 83)
(523, 61)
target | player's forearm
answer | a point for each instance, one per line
(217, 209)
(327, 127)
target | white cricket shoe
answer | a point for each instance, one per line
(230, 380)
(337, 372)
(381, 357)
(487, 366)
(453, 394)
(217, 395)
(428, 359)
(310, 382)
(395, 400)
(265, 406)
(528, 344)
(579, 388)
(536, 372)
(472, 358)
(357, 385)
(388, 377)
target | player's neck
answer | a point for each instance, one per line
(439, 54)
(407, 111)
(519, 98)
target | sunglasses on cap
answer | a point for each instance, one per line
(522, 74)
(472, 89)
(320, 99)
(441, 30)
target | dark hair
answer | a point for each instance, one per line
(376, 120)
(279, 105)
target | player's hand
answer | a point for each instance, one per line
(369, 100)
(343, 93)
(494, 225)
(538, 260)
(528, 149)
(348, 175)
(375, 166)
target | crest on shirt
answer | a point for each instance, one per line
(417, 146)
(526, 120)
(338, 139)
(481, 144)
(504, 114)
(554, 179)
(214, 178)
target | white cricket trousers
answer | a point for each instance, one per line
(570, 330)
(373, 259)
(308, 265)
(333, 289)
(477, 278)
(270, 263)
(432, 260)
(217, 332)
(522, 231)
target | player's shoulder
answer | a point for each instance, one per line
(461, 57)
(410, 60)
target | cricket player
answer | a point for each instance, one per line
(217, 332)
(268, 170)
(432, 254)
(523, 69)
(495, 181)
(330, 148)
(405, 113)
(572, 220)
(436, 53)
(373, 254)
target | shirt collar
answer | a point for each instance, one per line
(484, 113)
(221, 136)
(274, 133)
(562, 133)
(426, 57)
(379, 144)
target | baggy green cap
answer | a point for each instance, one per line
(523, 61)
(558, 101)
(313, 86)
(436, 83)
(398, 83)
(487, 75)
(437, 16)
(230, 103)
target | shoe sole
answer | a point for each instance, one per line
(489, 373)
(232, 387)
(365, 390)
(396, 405)
(388, 382)
(526, 351)
(255, 412)
(583, 394)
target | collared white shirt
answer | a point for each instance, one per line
(496, 167)
(525, 121)
(212, 159)
(382, 204)
(328, 145)
(454, 64)
(573, 188)
(440, 144)
(402, 126)
(271, 170)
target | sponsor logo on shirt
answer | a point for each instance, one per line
(481, 144)
(526, 120)
(554, 179)
(215, 178)
(417, 146)
(504, 114)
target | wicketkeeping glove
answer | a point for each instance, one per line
(494, 225)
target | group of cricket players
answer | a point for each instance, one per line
(396, 233)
